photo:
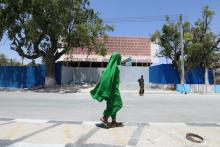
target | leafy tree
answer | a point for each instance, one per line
(200, 44)
(169, 39)
(13, 63)
(50, 28)
(3, 60)
(2, 22)
(204, 43)
(101, 46)
(32, 63)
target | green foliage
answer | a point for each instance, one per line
(4, 61)
(101, 49)
(204, 44)
(169, 39)
(200, 44)
(13, 63)
(32, 63)
(38, 28)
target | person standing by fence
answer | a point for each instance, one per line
(141, 84)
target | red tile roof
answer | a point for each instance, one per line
(128, 46)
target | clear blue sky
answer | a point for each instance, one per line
(140, 8)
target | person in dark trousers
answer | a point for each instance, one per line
(141, 84)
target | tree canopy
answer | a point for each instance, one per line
(200, 43)
(4, 61)
(50, 28)
(204, 43)
(169, 39)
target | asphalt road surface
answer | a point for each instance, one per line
(171, 108)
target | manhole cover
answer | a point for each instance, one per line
(194, 138)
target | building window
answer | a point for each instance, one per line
(96, 64)
(84, 64)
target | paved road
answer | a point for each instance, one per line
(80, 107)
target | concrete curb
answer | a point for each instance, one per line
(37, 121)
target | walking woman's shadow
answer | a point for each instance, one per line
(102, 125)
(108, 125)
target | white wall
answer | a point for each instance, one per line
(155, 49)
(66, 74)
(128, 74)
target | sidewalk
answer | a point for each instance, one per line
(86, 89)
(132, 91)
(46, 133)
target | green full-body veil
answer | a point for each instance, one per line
(109, 82)
(108, 87)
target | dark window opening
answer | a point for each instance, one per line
(99, 64)
(84, 64)
(105, 64)
(96, 64)
(139, 64)
(134, 64)
(145, 64)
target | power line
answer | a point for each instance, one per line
(139, 20)
(172, 18)
(152, 16)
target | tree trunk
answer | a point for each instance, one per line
(50, 80)
(206, 78)
(22, 61)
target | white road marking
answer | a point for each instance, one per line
(31, 120)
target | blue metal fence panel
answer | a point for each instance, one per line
(25, 76)
(166, 74)
(21, 76)
(163, 74)
(58, 68)
(197, 76)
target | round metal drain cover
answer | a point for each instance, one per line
(194, 138)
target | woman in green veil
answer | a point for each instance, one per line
(108, 89)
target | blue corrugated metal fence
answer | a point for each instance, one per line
(25, 76)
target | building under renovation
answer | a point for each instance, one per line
(134, 50)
